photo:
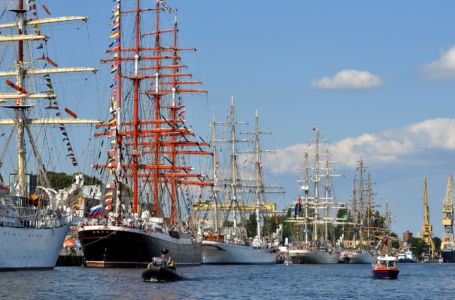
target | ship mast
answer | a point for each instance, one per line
(260, 188)
(153, 140)
(21, 72)
(316, 182)
(215, 172)
(235, 181)
(354, 211)
(447, 215)
(362, 205)
(325, 202)
(369, 210)
(328, 199)
(306, 189)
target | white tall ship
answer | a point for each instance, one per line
(33, 222)
(314, 209)
(362, 212)
(230, 244)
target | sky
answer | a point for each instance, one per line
(376, 77)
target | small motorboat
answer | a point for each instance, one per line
(160, 270)
(385, 267)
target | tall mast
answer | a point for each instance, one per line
(154, 139)
(260, 188)
(215, 172)
(258, 179)
(21, 72)
(306, 190)
(361, 202)
(234, 165)
(327, 189)
(447, 215)
(316, 181)
(354, 210)
(21, 151)
(319, 204)
(369, 207)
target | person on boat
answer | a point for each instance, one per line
(170, 263)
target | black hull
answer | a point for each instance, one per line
(115, 246)
(448, 256)
(69, 260)
(159, 273)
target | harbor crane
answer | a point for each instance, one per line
(427, 235)
(447, 216)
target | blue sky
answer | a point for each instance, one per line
(390, 105)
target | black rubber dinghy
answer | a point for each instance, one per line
(161, 273)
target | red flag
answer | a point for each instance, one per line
(71, 113)
(17, 88)
(45, 8)
(51, 62)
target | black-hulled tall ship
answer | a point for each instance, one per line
(149, 176)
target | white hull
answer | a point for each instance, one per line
(306, 256)
(360, 258)
(30, 248)
(219, 253)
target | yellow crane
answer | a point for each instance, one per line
(427, 235)
(447, 216)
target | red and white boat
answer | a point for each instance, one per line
(385, 267)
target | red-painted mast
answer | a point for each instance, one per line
(157, 110)
(164, 135)
(21, 43)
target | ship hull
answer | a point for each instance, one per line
(219, 253)
(314, 257)
(385, 273)
(118, 246)
(448, 256)
(360, 258)
(30, 248)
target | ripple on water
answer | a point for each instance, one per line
(417, 281)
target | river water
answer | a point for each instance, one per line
(415, 281)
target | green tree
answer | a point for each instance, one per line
(378, 221)
(417, 246)
(60, 180)
(91, 180)
(437, 243)
(286, 226)
(342, 214)
(251, 224)
(395, 240)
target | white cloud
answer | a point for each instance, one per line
(390, 146)
(442, 69)
(348, 80)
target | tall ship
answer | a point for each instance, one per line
(362, 213)
(226, 240)
(448, 242)
(314, 208)
(149, 178)
(33, 220)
